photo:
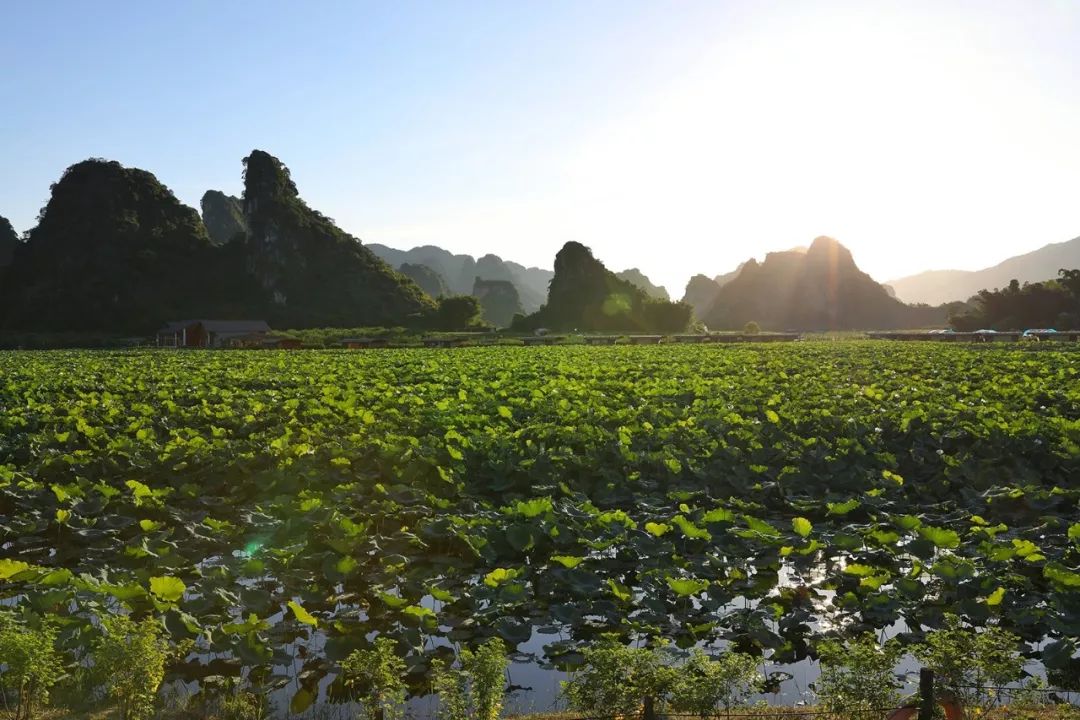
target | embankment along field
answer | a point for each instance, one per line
(279, 507)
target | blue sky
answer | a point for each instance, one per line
(680, 137)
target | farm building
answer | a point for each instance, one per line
(213, 333)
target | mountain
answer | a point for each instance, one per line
(499, 301)
(460, 271)
(817, 289)
(584, 295)
(724, 279)
(939, 286)
(9, 239)
(223, 216)
(635, 276)
(701, 291)
(429, 281)
(113, 250)
(315, 274)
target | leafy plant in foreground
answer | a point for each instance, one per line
(966, 660)
(29, 663)
(705, 682)
(616, 679)
(475, 690)
(376, 677)
(858, 676)
(130, 661)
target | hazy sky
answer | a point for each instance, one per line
(680, 137)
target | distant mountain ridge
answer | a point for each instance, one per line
(701, 290)
(637, 277)
(460, 271)
(939, 286)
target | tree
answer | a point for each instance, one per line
(376, 678)
(858, 676)
(32, 663)
(458, 312)
(475, 690)
(965, 659)
(130, 657)
(616, 679)
(704, 683)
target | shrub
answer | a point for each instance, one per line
(486, 670)
(376, 678)
(475, 690)
(962, 657)
(450, 685)
(616, 679)
(243, 705)
(858, 676)
(29, 663)
(751, 328)
(704, 683)
(129, 659)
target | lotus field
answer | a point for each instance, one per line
(281, 508)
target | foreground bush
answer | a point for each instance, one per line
(129, 660)
(29, 663)
(616, 679)
(476, 688)
(858, 676)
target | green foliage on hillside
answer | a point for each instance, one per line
(1050, 304)
(314, 273)
(819, 289)
(9, 239)
(499, 301)
(113, 249)
(429, 280)
(584, 295)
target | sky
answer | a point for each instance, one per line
(677, 137)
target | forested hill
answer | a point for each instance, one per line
(819, 289)
(939, 286)
(114, 251)
(584, 295)
(314, 273)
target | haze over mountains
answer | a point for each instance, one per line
(939, 286)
